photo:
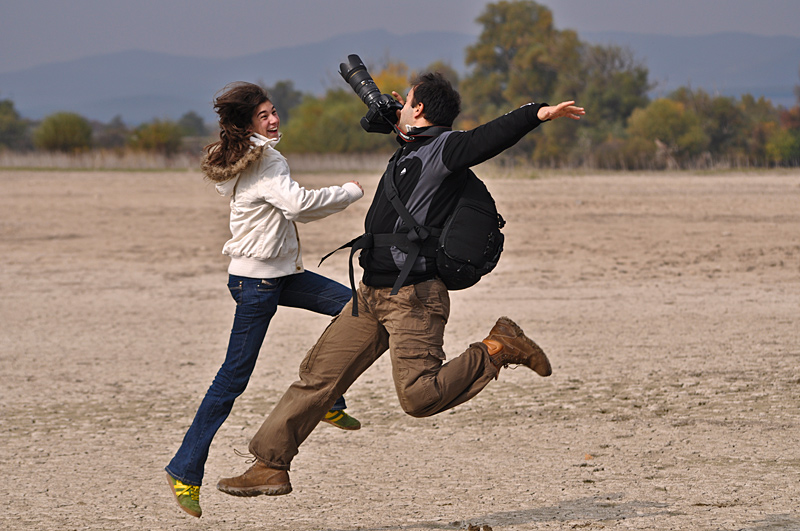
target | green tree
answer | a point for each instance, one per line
(783, 148)
(192, 124)
(12, 126)
(63, 131)
(112, 135)
(331, 124)
(758, 110)
(612, 84)
(159, 136)
(519, 56)
(670, 126)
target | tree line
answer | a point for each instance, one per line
(70, 132)
(518, 57)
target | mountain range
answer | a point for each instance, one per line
(140, 86)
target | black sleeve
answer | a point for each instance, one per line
(464, 149)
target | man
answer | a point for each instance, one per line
(427, 170)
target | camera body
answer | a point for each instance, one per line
(381, 108)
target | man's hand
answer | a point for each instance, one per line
(399, 98)
(566, 108)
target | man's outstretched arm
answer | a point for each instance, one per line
(565, 109)
(467, 148)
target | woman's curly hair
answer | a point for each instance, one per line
(235, 104)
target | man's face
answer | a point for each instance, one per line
(406, 114)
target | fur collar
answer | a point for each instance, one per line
(220, 174)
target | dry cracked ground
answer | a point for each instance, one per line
(668, 303)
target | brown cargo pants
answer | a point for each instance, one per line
(411, 326)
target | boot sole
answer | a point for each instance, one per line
(262, 490)
(548, 370)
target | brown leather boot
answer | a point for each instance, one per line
(508, 344)
(259, 479)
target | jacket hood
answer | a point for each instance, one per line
(226, 176)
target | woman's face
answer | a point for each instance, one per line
(265, 120)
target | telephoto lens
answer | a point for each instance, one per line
(355, 73)
(381, 108)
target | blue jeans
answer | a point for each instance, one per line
(257, 300)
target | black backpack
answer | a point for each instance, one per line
(466, 248)
(471, 242)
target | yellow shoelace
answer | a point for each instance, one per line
(182, 489)
(334, 416)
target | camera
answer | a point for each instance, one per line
(382, 108)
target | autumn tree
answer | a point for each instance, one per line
(762, 120)
(158, 136)
(723, 121)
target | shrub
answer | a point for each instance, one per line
(63, 131)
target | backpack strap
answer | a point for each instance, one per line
(365, 241)
(417, 241)
(416, 235)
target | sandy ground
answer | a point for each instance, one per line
(669, 305)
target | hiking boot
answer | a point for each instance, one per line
(340, 419)
(508, 344)
(187, 496)
(259, 479)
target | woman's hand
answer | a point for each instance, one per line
(359, 185)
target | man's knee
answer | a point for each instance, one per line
(419, 412)
(418, 404)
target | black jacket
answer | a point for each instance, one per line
(429, 174)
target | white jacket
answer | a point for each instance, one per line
(265, 204)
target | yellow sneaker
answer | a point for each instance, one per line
(187, 496)
(341, 420)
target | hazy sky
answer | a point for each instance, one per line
(34, 32)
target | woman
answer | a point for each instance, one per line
(265, 269)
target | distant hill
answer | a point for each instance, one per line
(730, 64)
(141, 86)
